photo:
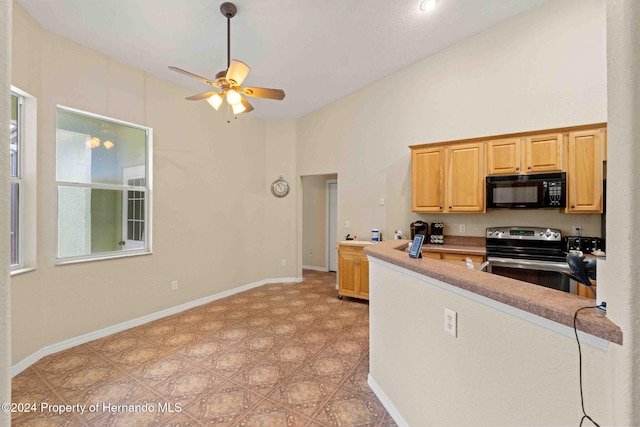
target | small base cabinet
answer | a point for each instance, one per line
(353, 271)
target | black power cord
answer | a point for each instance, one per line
(575, 330)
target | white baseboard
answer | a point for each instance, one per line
(391, 409)
(81, 339)
(313, 267)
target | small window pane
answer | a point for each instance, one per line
(15, 223)
(14, 129)
(92, 150)
(89, 221)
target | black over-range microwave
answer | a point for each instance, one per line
(530, 191)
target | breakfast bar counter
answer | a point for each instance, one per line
(550, 304)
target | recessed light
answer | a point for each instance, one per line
(428, 5)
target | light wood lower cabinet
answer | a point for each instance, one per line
(353, 271)
(447, 256)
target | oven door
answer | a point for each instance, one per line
(550, 274)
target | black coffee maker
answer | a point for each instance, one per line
(419, 227)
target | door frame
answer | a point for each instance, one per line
(327, 239)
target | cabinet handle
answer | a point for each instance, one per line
(573, 206)
(449, 207)
(518, 168)
(529, 168)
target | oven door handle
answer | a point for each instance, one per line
(559, 267)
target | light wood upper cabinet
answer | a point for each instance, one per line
(465, 183)
(427, 178)
(543, 153)
(504, 156)
(448, 178)
(534, 154)
(584, 171)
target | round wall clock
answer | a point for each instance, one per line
(280, 187)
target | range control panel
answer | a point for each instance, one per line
(524, 233)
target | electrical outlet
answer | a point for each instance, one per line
(347, 224)
(381, 203)
(576, 230)
(174, 285)
(463, 228)
(283, 262)
(310, 252)
(451, 322)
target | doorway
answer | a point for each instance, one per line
(319, 222)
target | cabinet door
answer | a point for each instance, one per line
(584, 172)
(432, 255)
(503, 156)
(348, 271)
(465, 185)
(427, 179)
(363, 278)
(543, 153)
(477, 259)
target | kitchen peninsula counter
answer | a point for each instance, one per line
(547, 303)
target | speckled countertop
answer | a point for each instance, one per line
(551, 304)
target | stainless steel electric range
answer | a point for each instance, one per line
(530, 254)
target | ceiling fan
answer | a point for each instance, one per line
(229, 81)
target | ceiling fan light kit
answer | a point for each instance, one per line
(229, 81)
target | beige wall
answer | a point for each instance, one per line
(500, 370)
(529, 73)
(5, 300)
(215, 224)
(280, 229)
(314, 220)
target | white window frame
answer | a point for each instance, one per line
(26, 180)
(148, 189)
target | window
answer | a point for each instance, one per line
(15, 167)
(22, 147)
(103, 174)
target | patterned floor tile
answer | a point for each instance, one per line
(188, 387)
(270, 414)
(263, 376)
(303, 393)
(229, 362)
(345, 408)
(224, 405)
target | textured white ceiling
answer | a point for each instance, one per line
(317, 51)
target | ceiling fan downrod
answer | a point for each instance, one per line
(229, 10)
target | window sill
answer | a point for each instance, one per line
(22, 270)
(100, 258)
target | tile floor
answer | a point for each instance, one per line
(276, 355)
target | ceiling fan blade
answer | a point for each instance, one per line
(261, 92)
(248, 107)
(202, 95)
(237, 72)
(195, 76)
